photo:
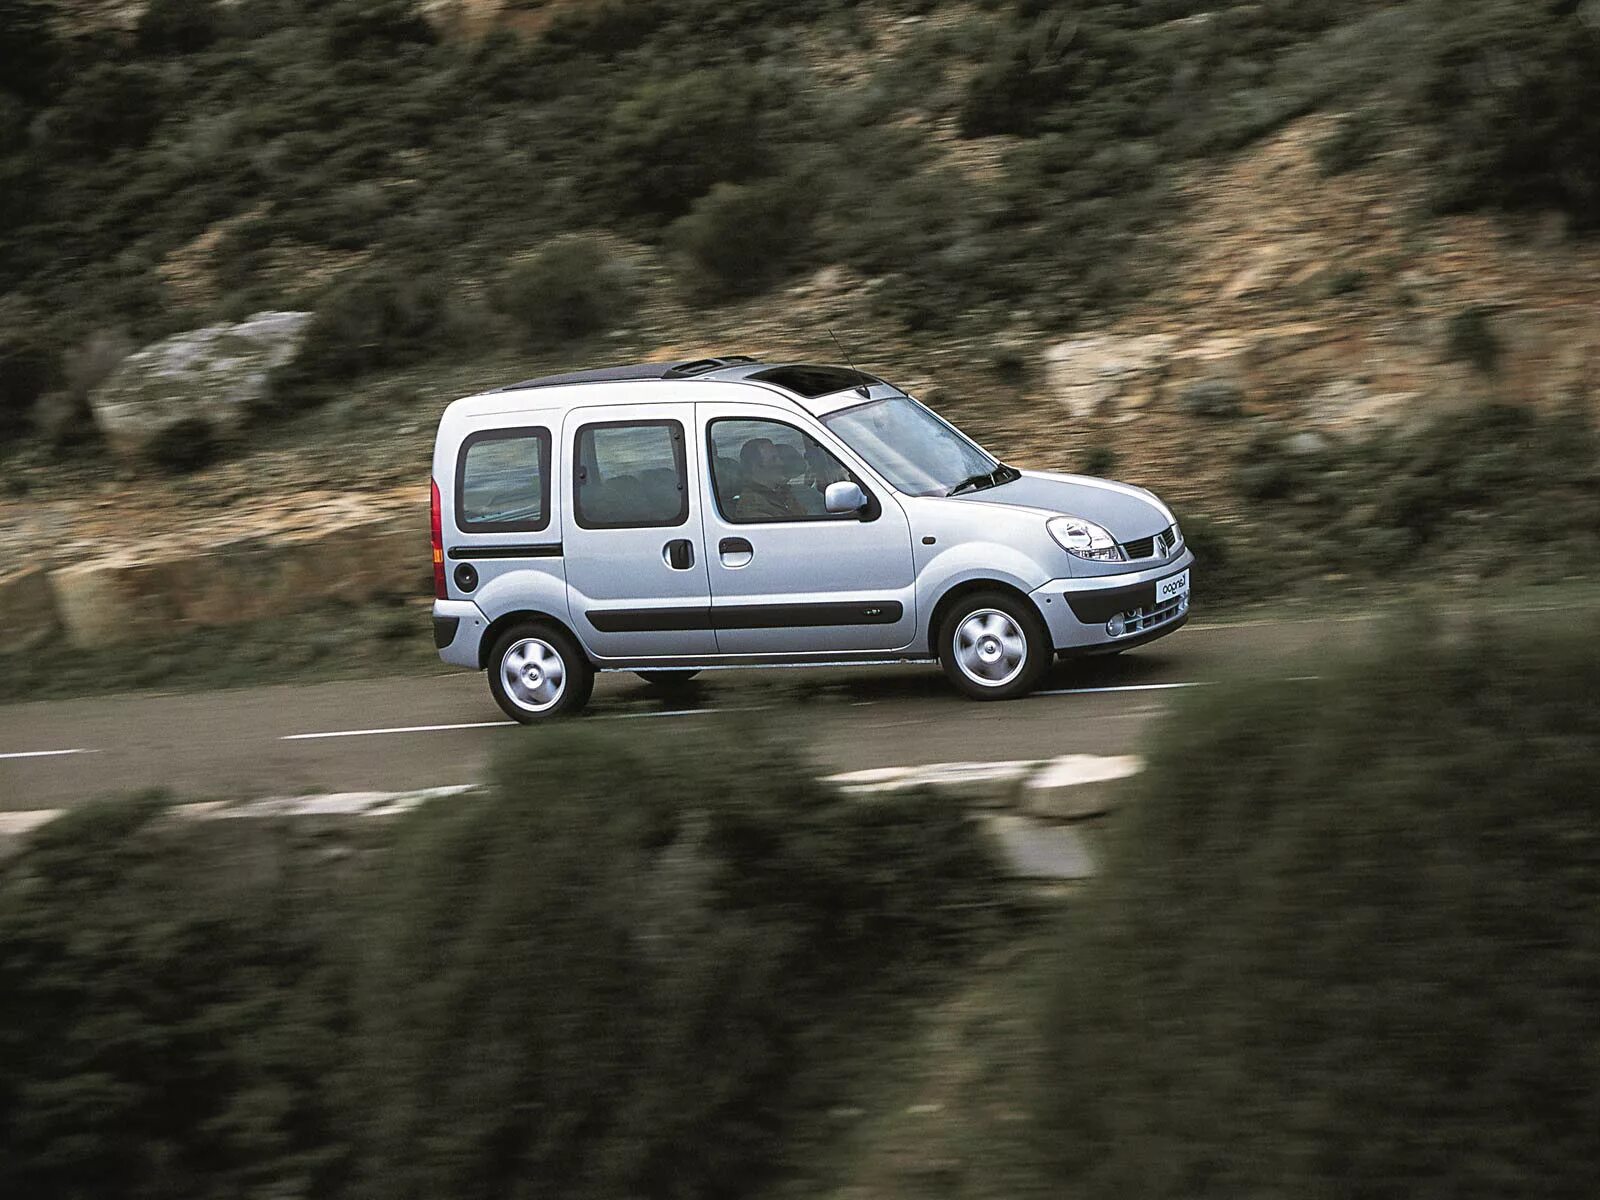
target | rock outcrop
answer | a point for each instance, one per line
(215, 374)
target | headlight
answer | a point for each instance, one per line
(1084, 539)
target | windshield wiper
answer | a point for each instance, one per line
(986, 479)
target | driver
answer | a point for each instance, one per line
(766, 495)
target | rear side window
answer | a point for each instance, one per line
(503, 481)
(630, 475)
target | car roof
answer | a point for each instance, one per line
(805, 385)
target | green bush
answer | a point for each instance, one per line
(27, 370)
(376, 319)
(1211, 398)
(1469, 337)
(1348, 938)
(1483, 490)
(1512, 91)
(1354, 141)
(177, 26)
(572, 290)
(168, 1026)
(1099, 459)
(740, 239)
(184, 446)
(600, 979)
(602, 984)
(669, 142)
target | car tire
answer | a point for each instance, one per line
(993, 646)
(538, 673)
(668, 680)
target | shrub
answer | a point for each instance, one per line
(1099, 460)
(1512, 91)
(165, 1026)
(668, 143)
(1469, 337)
(1353, 142)
(375, 319)
(1211, 398)
(740, 239)
(177, 26)
(573, 289)
(27, 369)
(1348, 938)
(185, 445)
(601, 985)
(109, 106)
(597, 980)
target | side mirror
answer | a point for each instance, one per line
(844, 497)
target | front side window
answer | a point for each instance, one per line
(630, 475)
(769, 471)
(914, 450)
(503, 481)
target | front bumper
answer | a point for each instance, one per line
(458, 627)
(1076, 611)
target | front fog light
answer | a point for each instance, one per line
(1117, 626)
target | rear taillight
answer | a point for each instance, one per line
(436, 522)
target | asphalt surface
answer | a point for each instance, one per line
(428, 731)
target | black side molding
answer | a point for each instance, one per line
(540, 550)
(746, 616)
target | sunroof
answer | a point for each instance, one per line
(811, 382)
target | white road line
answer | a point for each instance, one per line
(343, 733)
(668, 712)
(1126, 687)
(348, 733)
(44, 753)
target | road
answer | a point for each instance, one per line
(427, 731)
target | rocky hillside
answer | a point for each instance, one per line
(1268, 258)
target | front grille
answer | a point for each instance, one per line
(1168, 540)
(1139, 620)
(1139, 548)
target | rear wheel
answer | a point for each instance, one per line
(993, 647)
(666, 679)
(537, 672)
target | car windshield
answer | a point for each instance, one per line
(918, 453)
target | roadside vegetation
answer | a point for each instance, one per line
(333, 641)
(1491, 496)
(548, 989)
(360, 160)
(1344, 936)
(1348, 935)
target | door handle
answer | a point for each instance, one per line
(735, 551)
(678, 554)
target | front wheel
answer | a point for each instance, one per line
(537, 672)
(993, 647)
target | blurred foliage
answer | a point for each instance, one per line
(571, 290)
(1470, 338)
(741, 239)
(598, 987)
(1348, 937)
(369, 320)
(185, 445)
(170, 1025)
(1491, 490)
(349, 134)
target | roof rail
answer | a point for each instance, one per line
(683, 370)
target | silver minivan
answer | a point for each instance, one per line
(670, 519)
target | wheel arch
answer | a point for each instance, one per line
(956, 592)
(505, 621)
